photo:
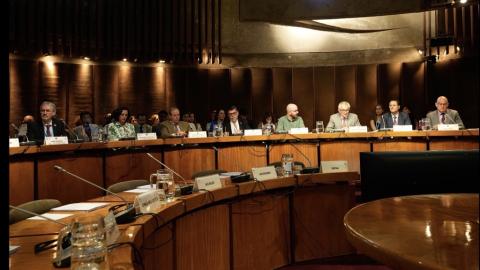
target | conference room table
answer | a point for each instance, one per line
(437, 231)
(249, 225)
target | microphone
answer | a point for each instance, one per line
(186, 188)
(121, 216)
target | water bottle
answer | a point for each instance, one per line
(287, 164)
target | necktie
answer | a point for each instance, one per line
(141, 129)
(88, 131)
(395, 120)
(177, 127)
(443, 118)
(344, 122)
(48, 133)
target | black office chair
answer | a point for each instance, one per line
(126, 185)
(207, 173)
(279, 164)
(37, 206)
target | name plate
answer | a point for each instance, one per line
(14, 142)
(334, 166)
(402, 127)
(210, 182)
(111, 228)
(146, 136)
(443, 127)
(197, 134)
(298, 130)
(264, 173)
(357, 129)
(252, 132)
(56, 140)
(149, 201)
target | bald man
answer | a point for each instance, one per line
(290, 120)
(444, 115)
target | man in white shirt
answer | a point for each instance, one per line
(235, 126)
(395, 116)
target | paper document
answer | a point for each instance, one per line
(50, 216)
(139, 190)
(13, 249)
(80, 206)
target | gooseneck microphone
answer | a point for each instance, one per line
(186, 188)
(37, 215)
(121, 216)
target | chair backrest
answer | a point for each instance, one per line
(37, 206)
(126, 185)
(207, 173)
(279, 164)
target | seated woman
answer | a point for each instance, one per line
(376, 122)
(267, 122)
(120, 128)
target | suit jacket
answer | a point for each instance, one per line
(242, 125)
(403, 119)
(80, 132)
(146, 128)
(335, 121)
(451, 117)
(36, 132)
(166, 128)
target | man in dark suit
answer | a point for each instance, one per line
(395, 116)
(235, 125)
(48, 126)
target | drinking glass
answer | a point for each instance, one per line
(319, 127)
(287, 164)
(165, 182)
(89, 249)
(424, 124)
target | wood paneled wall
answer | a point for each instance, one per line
(317, 90)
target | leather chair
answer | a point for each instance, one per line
(37, 206)
(126, 185)
(207, 173)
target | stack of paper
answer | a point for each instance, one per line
(80, 206)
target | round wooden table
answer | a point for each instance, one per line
(418, 232)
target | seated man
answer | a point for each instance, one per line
(343, 119)
(395, 116)
(444, 115)
(141, 126)
(49, 125)
(86, 131)
(173, 127)
(235, 126)
(290, 120)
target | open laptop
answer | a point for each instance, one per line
(334, 166)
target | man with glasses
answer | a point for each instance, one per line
(343, 119)
(235, 126)
(444, 115)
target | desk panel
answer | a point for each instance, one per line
(344, 150)
(240, 158)
(21, 184)
(129, 166)
(454, 144)
(303, 152)
(399, 145)
(187, 161)
(158, 249)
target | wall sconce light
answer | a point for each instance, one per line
(124, 59)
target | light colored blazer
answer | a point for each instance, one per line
(451, 117)
(335, 121)
(80, 132)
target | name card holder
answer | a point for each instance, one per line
(298, 130)
(357, 129)
(252, 132)
(264, 173)
(209, 183)
(146, 136)
(402, 127)
(149, 201)
(444, 127)
(14, 142)
(197, 134)
(56, 140)
(111, 228)
(334, 166)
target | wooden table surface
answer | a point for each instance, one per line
(418, 232)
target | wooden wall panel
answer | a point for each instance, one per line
(345, 86)
(23, 76)
(80, 92)
(154, 98)
(53, 184)
(319, 231)
(129, 166)
(261, 100)
(105, 87)
(246, 157)
(175, 87)
(219, 89)
(413, 90)
(253, 246)
(325, 104)
(130, 80)
(399, 146)
(202, 239)
(389, 82)
(188, 161)
(52, 86)
(303, 94)
(366, 94)
(20, 184)
(303, 152)
(281, 90)
(240, 87)
(344, 150)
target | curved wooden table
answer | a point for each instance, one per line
(418, 232)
